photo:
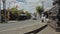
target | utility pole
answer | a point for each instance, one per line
(8, 13)
(42, 7)
(0, 10)
(43, 4)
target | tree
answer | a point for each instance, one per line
(28, 14)
(14, 10)
(14, 13)
(39, 10)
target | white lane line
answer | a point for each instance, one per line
(20, 27)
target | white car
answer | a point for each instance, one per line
(33, 17)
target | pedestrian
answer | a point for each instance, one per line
(43, 18)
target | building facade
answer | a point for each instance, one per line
(54, 15)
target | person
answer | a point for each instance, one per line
(43, 18)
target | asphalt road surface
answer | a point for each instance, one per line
(17, 24)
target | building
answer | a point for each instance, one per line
(54, 15)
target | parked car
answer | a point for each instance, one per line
(22, 17)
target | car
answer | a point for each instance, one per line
(22, 17)
(34, 18)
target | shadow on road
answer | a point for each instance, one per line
(37, 30)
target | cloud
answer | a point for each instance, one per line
(32, 1)
(28, 5)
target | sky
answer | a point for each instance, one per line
(29, 5)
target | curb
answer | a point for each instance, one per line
(37, 30)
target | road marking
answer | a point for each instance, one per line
(20, 27)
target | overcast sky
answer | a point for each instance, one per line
(28, 5)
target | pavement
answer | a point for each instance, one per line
(47, 30)
(20, 27)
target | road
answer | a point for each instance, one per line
(8, 26)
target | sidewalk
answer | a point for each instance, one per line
(47, 30)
